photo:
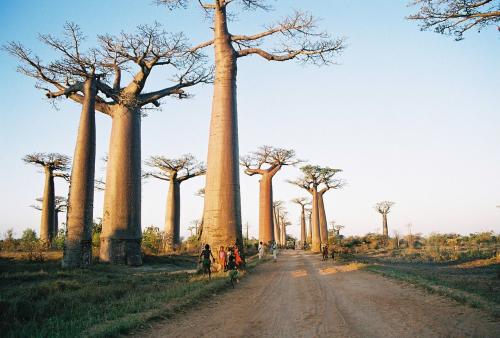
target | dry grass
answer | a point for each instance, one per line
(39, 299)
(475, 282)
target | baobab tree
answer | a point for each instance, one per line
(309, 220)
(284, 222)
(200, 193)
(74, 75)
(303, 202)
(54, 165)
(60, 205)
(147, 48)
(329, 183)
(294, 37)
(150, 47)
(455, 17)
(266, 162)
(175, 171)
(384, 208)
(313, 177)
(277, 206)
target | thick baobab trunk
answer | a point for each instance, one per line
(315, 231)
(266, 226)
(78, 243)
(323, 226)
(121, 228)
(172, 218)
(303, 234)
(385, 228)
(48, 209)
(222, 219)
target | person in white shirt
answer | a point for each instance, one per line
(261, 251)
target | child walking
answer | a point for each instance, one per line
(206, 253)
(232, 271)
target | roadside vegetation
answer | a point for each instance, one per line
(464, 268)
(40, 299)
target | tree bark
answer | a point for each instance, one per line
(266, 226)
(309, 235)
(385, 228)
(277, 234)
(303, 234)
(48, 209)
(315, 231)
(121, 228)
(283, 234)
(56, 223)
(172, 217)
(323, 226)
(79, 217)
(222, 218)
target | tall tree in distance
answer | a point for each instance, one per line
(293, 37)
(284, 222)
(175, 171)
(384, 208)
(53, 164)
(277, 206)
(313, 177)
(60, 205)
(455, 17)
(200, 193)
(266, 162)
(303, 202)
(328, 183)
(309, 222)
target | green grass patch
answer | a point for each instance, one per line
(42, 300)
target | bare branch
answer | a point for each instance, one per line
(455, 17)
(268, 160)
(384, 207)
(179, 169)
(50, 161)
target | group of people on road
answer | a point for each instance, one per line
(229, 259)
(324, 251)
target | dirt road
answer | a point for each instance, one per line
(301, 296)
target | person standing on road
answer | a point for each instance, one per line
(222, 258)
(237, 257)
(261, 251)
(274, 248)
(206, 253)
(325, 252)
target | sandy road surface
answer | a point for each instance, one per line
(301, 296)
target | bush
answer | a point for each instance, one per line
(9, 243)
(152, 240)
(32, 246)
(58, 241)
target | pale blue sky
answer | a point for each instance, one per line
(410, 116)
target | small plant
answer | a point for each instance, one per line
(152, 240)
(32, 246)
(9, 242)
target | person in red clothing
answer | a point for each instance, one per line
(222, 258)
(237, 257)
